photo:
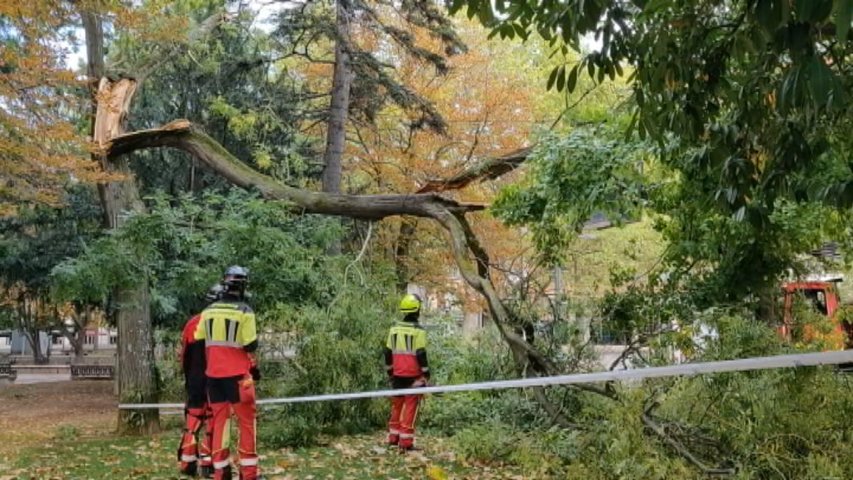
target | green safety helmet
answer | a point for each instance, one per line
(410, 303)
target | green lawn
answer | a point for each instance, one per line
(70, 455)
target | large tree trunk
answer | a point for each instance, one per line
(135, 379)
(28, 324)
(135, 356)
(408, 227)
(339, 106)
(79, 341)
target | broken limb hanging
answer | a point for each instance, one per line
(469, 256)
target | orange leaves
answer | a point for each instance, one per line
(488, 105)
(153, 22)
(41, 147)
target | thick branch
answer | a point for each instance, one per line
(182, 135)
(488, 170)
(682, 450)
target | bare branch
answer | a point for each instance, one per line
(488, 170)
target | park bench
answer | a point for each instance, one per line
(7, 374)
(86, 372)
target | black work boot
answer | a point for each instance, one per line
(226, 473)
(189, 469)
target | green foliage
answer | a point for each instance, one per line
(182, 249)
(538, 454)
(229, 85)
(338, 349)
(759, 418)
(40, 237)
(590, 170)
(748, 104)
(753, 422)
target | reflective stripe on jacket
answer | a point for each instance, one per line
(405, 340)
(227, 329)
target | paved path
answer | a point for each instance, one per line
(28, 378)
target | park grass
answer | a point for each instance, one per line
(70, 454)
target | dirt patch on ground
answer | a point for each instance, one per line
(30, 414)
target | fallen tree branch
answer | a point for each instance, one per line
(488, 170)
(182, 135)
(552, 410)
(681, 449)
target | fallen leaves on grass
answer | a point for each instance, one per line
(345, 458)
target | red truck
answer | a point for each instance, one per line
(822, 294)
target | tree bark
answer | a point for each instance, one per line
(135, 356)
(94, 29)
(339, 106)
(181, 135)
(28, 323)
(135, 360)
(401, 254)
(487, 170)
(79, 340)
(135, 379)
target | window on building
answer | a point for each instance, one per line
(57, 340)
(89, 340)
(113, 339)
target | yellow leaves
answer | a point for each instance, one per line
(263, 159)
(220, 107)
(243, 125)
(434, 472)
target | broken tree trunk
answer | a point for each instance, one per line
(135, 379)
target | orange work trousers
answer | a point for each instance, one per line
(195, 446)
(401, 426)
(233, 396)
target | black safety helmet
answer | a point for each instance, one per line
(214, 293)
(235, 280)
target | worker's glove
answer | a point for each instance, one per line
(420, 382)
(256, 373)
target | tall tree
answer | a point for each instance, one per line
(339, 103)
(135, 379)
(349, 37)
(36, 101)
(490, 103)
(120, 198)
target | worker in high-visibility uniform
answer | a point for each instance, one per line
(194, 452)
(407, 367)
(229, 332)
